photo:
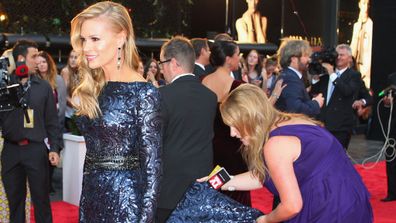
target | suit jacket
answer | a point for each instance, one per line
(210, 69)
(189, 110)
(338, 114)
(364, 93)
(198, 71)
(294, 97)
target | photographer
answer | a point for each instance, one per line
(389, 103)
(24, 129)
(339, 89)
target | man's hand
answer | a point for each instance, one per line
(388, 100)
(53, 158)
(320, 99)
(329, 68)
(358, 104)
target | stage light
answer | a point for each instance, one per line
(3, 14)
(2, 17)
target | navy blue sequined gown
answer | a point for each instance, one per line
(202, 203)
(122, 164)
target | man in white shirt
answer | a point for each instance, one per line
(339, 88)
(294, 56)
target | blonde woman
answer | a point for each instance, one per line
(119, 118)
(296, 159)
(224, 58)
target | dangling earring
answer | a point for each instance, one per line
(119, 58)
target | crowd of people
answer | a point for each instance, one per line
(152, 128)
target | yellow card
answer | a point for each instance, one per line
(29, 124)
(214, 171)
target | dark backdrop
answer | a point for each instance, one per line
(209, 16)
(384, 53)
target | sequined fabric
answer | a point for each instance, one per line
(130, 126)
(201, 203)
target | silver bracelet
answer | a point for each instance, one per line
(231, 188)
(275, 95)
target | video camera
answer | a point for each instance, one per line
(4, 77)
(326, 55)
(11, 92)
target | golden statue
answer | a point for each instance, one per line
(251, 27)
(362, 42)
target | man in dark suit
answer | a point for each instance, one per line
(363, 98)
(339, 88)
(294, 58)
(202, 53)
(25, 155)
(188, 114)
(363, 105)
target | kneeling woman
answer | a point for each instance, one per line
(296, 159)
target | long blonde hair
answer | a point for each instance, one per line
(248, 109)
(93, 80)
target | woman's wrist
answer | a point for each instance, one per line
(262, 219)
(274, 95)
(227, 186)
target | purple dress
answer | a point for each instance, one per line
(331, 188)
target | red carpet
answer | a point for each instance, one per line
(375, 180)
(62, 212)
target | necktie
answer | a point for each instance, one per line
(331, 89)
